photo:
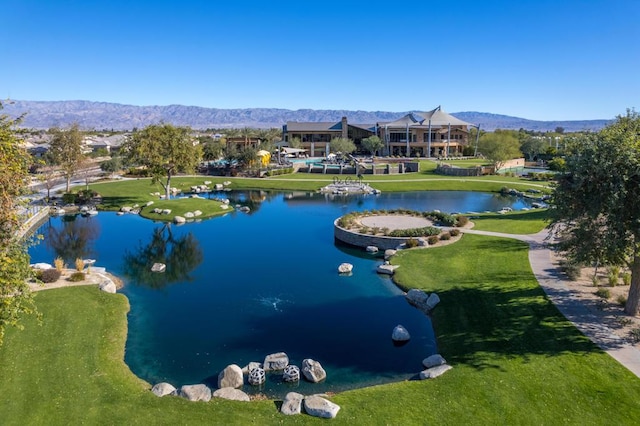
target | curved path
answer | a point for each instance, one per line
(554, 285)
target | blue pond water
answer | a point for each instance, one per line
(242, 286)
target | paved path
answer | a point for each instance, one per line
(554, 285)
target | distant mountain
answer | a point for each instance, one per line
(104, 115)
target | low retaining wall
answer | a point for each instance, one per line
(362, 240)
(33, 222)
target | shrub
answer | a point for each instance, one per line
(411, 243)
(635, 335)
(605, 293)
(79, 264)
(621, 299)
(572, 269)
(50, 275)
(69, 198)
(454, 232)
(461, 221)
(77, 276)
(595, 281)
(58, 262)
(433, 239)
(626, 278)
(445, 236)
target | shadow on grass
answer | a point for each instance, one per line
(113, 202)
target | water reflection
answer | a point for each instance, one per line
(75, 239)
(181, 255)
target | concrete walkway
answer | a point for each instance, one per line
(554, 285)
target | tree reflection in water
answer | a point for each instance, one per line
(181, 255)
(75, 239)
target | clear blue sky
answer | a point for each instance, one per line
(544, 59)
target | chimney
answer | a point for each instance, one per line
(345, 128)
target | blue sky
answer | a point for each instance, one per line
(545, 60)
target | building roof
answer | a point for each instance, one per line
(322, 126)
(436, 118)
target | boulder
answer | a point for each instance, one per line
(417, 298)
(166, 211)
(257, 376)
(432, 301)
(433, 361)
(189, 215)
(247, 368)
(400, 334)
(197, 213)
(388, 253)
(292, 404)
(163, 389)
(386, 269)
(42, 266)
(313, 371)
(207, 182)
(291, 373)
(226, 183)
(231, 377)
(149, 203)
(195, 392)
(277, 361)
(244, 209)
(372, 249)
(422, 242)
(179, 219)
(345, 268)
(224, 206)
(156, 211)
(317, 406)
(125, 209)
(433, 372)
(158, 267)
(231, 394)
(107, 286)
(218, 187)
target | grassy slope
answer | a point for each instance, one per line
(520, 222)
(516, 359)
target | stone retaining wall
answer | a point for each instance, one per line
(361, 240)
(33, 221)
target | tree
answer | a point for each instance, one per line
(343, 145)
(498, 147)
(295, 142)
(15, 297)
(112, 165)
(164, 150)
(596, 213)
(532, 146)
(372, 144)
(66, 151)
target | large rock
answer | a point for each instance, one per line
(277, 361)
(433, 372)
(247, 368)
(319, 407)
(42, 266)
(231, 377)
(388, 253)
(196, 392)
(432, 301)
(433, 361)
(292, 404)
(345, 268)
(158, 267)
(163, 389)
(313, 371)
(386, 269)
(179, 219)
(419, 299)
(107, 286)
(400, 334)
(372, 249)
(232, 394)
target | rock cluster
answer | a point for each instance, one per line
(314, 405)
(421, 300)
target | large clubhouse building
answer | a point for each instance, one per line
(433, 133)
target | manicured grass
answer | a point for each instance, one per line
(467, 163)
(179, 207)
(521, 222)
(516, 359)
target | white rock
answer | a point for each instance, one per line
(207, 182)
(218, 187)
(433, 372)
(189, 215)
(372, 249)
(107, 286)
(400, 334)
(196, 392)
(224, 206)
(313, 371)
(149, 203)
(125, 209)
(158, 267)
(247, 368)
(179, 219)
(166, 211)
(432, 301)
(231, 377)
(163, 389)
(41, 266)
(319, 407)
(292, 404)
(197, 213)
(231, 394)
(387, 269)
(345, 268)
(433, 361)
(388, 253)
(277, 361)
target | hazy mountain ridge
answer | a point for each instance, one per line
(105, 115)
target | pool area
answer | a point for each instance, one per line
(242, 286)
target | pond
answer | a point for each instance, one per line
(242, 286)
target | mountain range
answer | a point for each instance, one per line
(104, 115)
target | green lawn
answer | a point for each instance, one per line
(516, 359)
(520, 222)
